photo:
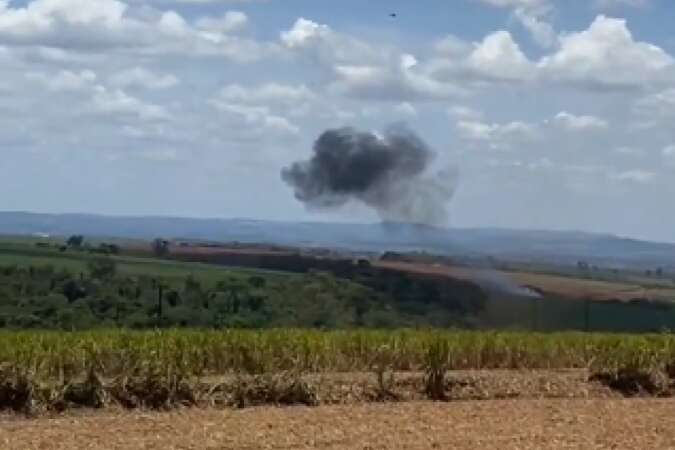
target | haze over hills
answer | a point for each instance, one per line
(522, 245)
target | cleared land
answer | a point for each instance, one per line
(503, 425)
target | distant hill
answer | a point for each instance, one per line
(522, 245)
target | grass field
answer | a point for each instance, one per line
(23, 252)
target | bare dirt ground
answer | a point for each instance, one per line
(495, 424)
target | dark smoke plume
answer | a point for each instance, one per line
(389, 174)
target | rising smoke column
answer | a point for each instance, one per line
(389, 174)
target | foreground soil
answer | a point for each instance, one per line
(494, 424)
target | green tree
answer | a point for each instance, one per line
(102, 268)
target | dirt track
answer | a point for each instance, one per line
(500, 424)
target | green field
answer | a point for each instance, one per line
(199, 353)
(23, 252)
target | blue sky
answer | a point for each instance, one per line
(556, 114)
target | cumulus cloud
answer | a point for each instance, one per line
(542, 31)
(118, 103)
(143, 78)
(607, 56)
(533, 16)
(471, 127)
(452, 46)
(362, 69)
(275, 93)
(464, 112)
(323, 43)
(573, 122)
(257, 116)
(499, 57)
(657, 106)
(84, 25)
(392, 83)
(495, 132)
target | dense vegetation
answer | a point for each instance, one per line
(46, 297)
(54, 371)
(196, 353)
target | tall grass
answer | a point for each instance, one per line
(203, 353)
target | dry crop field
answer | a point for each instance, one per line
(300, 389)
(559, 285)
(48, 372)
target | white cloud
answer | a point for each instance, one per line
(452, 46)
(499, 57)
(257, 116)
(230, 22)
(464, 112)
(502, 134)
(65, 80)
(606, 56)
(274, 93)
(328, 46)
(542, 31)
(305, 33)
(657, 106)
(118, 103)
(401, 83)
(40, 18)
(141, 77)
(635, 176)
(86, 25)
(533, 16)
(482, 131)
(365, 70)
(572, 122)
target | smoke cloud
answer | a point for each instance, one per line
(388, 173)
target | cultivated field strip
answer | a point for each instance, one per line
(200, 353)
(54, 371)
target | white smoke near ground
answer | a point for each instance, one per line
(500, 282)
